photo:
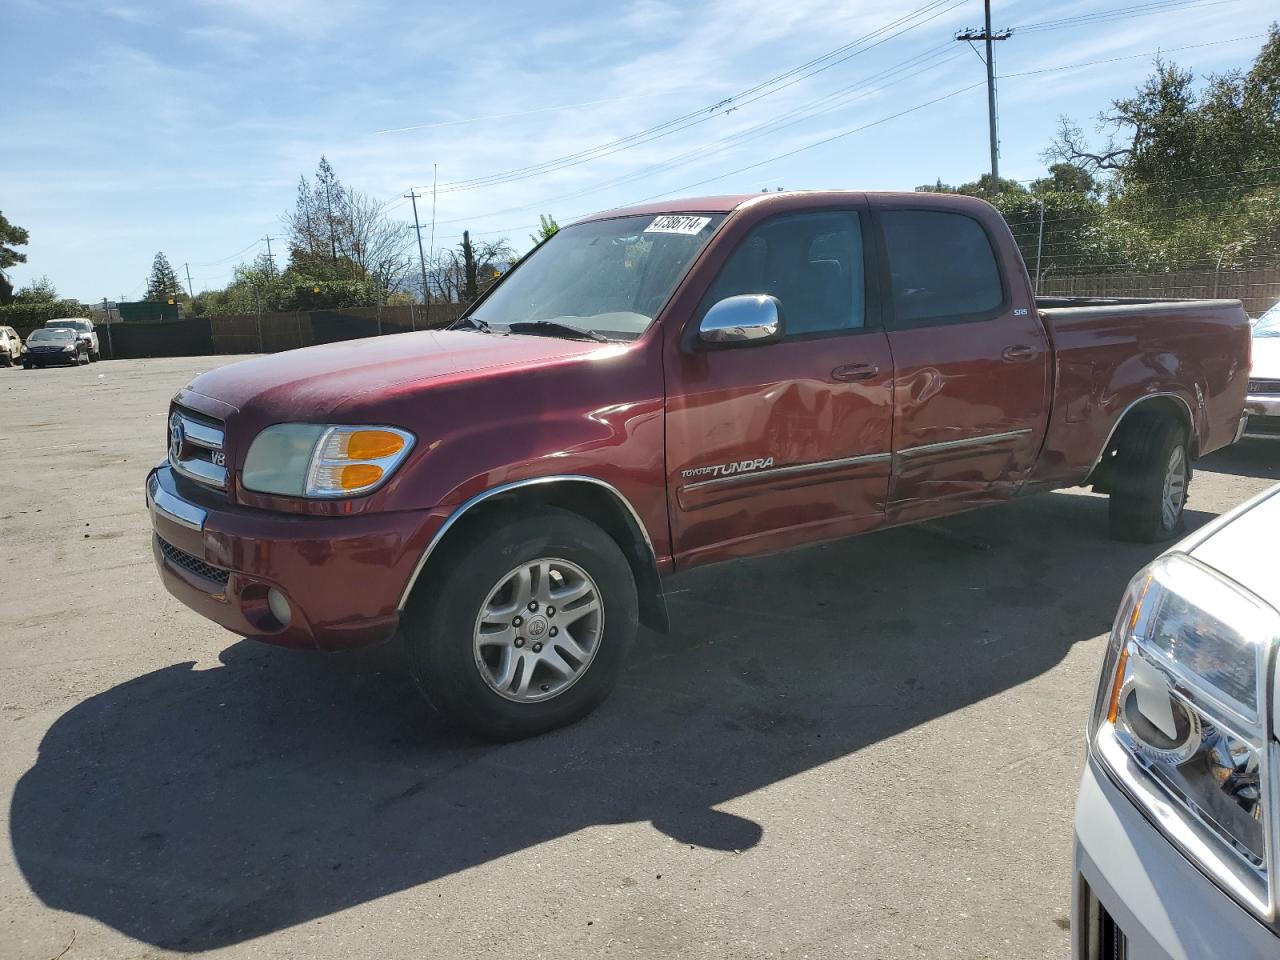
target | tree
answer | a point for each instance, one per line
(343, 241)
(976, 188)
(37, 291)
(448, 271)
(470, 281)
(547, 228)
(163, 282)
(11, 237)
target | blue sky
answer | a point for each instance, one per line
(182, 126)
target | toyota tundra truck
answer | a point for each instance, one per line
(655, 388)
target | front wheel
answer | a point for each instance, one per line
(1151, 475)
(527, 629)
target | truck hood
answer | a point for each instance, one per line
(1241, 545)
(310, 383)
(1266, 358)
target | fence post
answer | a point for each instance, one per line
(1039, 244)
(259, 299)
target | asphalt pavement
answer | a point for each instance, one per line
(864, 749)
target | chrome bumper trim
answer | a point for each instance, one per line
(201, 471)
(164, 499)
(1262, 405)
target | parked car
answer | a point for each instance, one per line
(84, 330)
(1263, 403)
(1177, 833)
(10, 346)
(653, 389)
(49, 346)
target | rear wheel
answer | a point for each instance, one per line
(527, 628)
(1149, 481)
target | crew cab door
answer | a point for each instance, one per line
(971, 358)
(788, 441)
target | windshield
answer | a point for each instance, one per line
(50, 335)
(1268, 325)
(72, 324)
(606, 276)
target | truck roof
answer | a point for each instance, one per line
(725, 203)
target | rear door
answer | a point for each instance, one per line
(971, 358)
(785, 442)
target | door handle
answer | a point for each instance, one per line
(853, 372)
(1019, 351)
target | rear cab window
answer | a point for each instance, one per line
(942, 268)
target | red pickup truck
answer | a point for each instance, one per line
(656, 388)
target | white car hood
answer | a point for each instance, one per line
(1242, 545)
(1266, 358)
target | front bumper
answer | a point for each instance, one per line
(342, 576)
(1263, 417)
(51, 359)
(1165, 907)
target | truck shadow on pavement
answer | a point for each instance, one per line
(195, 809)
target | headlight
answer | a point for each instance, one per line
(319, 460)
(1181, 719)
(69, 348)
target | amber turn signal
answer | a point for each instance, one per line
(358, 475)
(373, 445)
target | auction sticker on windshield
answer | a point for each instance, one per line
(677, 224)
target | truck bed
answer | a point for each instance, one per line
(1112, 352)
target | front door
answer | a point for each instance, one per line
(786, 442)
(971, 358)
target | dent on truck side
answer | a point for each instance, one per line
(1188, 357)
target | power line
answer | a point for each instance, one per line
(756, 92)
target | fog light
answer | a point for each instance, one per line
(279, 606)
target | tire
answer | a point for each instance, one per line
(460, 678)
(94, 356)
(26, 364)
(1147, 502)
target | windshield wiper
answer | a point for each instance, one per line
(475, 322)
(554, 328)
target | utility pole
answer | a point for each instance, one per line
(271, 258)
(986, 34)
(106, 312)
(190, 289)
(433, 236)
(422, 257)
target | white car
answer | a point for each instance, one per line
(1263, 403)
(1177, 833)
(10, 347)
(84, 331)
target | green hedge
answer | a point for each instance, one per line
(35, 314)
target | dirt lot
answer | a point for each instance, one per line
(868, 749)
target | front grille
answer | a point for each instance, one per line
(196, 448)
(193, 564)
(1264, 386)
(1112, 943)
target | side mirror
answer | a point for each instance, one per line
(748, 319)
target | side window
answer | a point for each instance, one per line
(941, 266)
(812, 262)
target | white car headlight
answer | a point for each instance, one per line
(1181, 719)
(323, 460)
